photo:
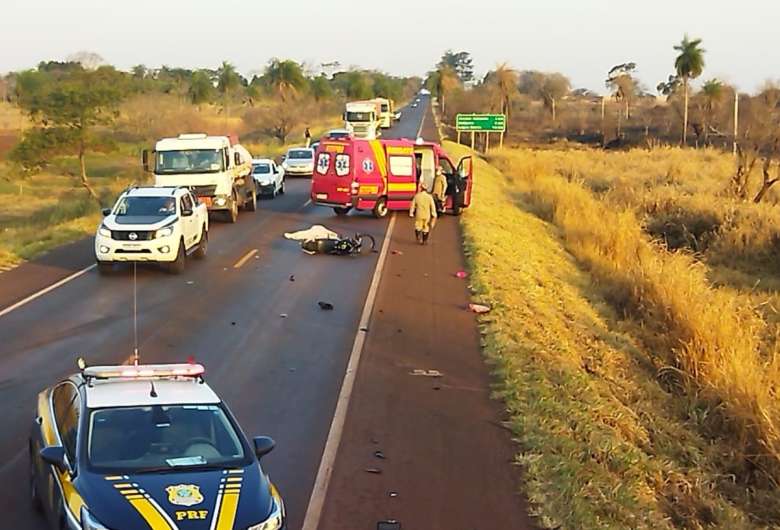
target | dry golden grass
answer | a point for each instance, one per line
(666, 418)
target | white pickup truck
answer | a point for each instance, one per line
(217, 169)
(152, 224)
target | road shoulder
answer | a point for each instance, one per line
(425, 450)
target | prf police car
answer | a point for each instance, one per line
(146, 447)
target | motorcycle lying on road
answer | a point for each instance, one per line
(341, 246)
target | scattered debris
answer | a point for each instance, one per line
(391, 524)
(393, 494)
(190, 282)
(325, 306)
(232, 323)
(478, 308)
(364, 330)
(426, 373)
(396, 253)
(437, 387)
(283, 315)
(461, 274)
(380, 455)
(292, 277)
(373, 470)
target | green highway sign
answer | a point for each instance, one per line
(480, 122)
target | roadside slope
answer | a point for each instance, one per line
(602, 443)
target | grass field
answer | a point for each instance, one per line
(49, 209)
(641, 394)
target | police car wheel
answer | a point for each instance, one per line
(380, 208)
(35, 498)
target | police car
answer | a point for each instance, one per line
(147, 447)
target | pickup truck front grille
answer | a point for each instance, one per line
(140, 235)
(204, 191)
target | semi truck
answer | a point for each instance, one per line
(217, 169)
(361, 119)
(386, 112)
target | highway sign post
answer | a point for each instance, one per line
(487, 123)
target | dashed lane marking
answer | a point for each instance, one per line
(245, 258)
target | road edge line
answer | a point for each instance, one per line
(45, 290)
(320, 490)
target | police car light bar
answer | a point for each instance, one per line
(154, 371)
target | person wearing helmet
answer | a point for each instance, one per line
(423, 210)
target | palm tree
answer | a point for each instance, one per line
(227, 81)
(447, 81)
(285, 77)
(689, 65)
(505, 80)
(712, 91)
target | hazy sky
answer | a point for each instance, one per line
(581, 38)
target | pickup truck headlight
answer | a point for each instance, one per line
(103, 231)
(88, 522)
(165, 231)
(274, 522)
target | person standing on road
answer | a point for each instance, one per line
(439, 189)
(307, 135)
(423, 209)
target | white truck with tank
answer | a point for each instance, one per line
(217, 169)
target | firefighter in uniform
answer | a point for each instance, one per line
(439, 189)
(423, 210)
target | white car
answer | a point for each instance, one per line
(269, 178)
(299, 162)
(152, 224)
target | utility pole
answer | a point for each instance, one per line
(736, 119)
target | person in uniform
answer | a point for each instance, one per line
(423, 209)
(439, 189)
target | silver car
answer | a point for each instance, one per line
(299, 162)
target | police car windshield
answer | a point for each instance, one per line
(300, 154)
(261, 169)
(162, 437)
(189, 161)
(146, 206)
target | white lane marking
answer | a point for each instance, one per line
(305, 204)
(320, 490)
(46, 290)
(245, 258)
(422, 122)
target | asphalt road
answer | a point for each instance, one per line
(280, 376)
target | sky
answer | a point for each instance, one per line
(581, 38)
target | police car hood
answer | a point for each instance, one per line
(236, 498)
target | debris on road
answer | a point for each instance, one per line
(478, 308)
(190, 282)
(325, 306)
(393, 494)
(283, 315)
(232, 323)
(461, 274)
(392, 524)
(380, 455)
(292, 277)
(396, 253)
(426, 373)
(373, 470)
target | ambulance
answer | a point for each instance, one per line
(383, 175)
